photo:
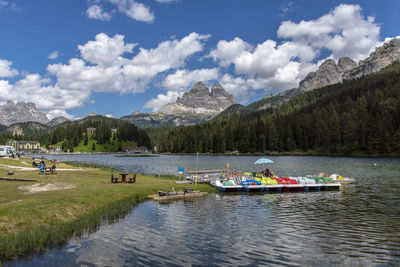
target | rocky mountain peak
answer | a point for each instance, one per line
(136, 112)
(11, 113)
(382, 57)
(346, 64)
(9, 103)
(328, 73)
(200, 100)
(56, 121)
(199, 89)
(217, 89)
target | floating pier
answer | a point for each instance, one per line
(279, 188)
(169, 196)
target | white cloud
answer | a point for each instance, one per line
(96, 12)
(34, 88)
(166, 1)
(103, 67)
(286, 8)
(59, 113)
(344, 31)
(53, 55)
(162, 99)
(167, 55)
(6, 70)
(105, 51)
(182, 79)
(270, 65)
(239, 87)
(110, 71)
(226, 52)
(134, 10)
(9, 6)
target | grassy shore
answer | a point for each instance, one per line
(36, 215)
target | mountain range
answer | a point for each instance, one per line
(195, 106)
(201, 104)
(330, 72)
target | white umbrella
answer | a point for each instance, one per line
(263, 161)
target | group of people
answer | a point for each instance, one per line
(42, 167)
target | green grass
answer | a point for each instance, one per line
(33, 222)
(111, 146)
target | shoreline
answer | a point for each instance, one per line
(34, 222)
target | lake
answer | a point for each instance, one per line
(358, 225)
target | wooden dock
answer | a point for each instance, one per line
(207, 171)
(17, 179)
(177, 195)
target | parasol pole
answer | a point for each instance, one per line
(197, 163)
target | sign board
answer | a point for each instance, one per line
(181, 169)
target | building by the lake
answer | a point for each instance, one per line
(24, 146)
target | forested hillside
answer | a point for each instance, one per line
(73, 136)
(359, 117)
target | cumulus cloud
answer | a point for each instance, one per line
(96, 12)
(182, 79)
(105, 50)
(59, 113)
(162, 99)
(344, 31)
(34, 88)
(134, 10)
(6, 70)
(226, 52)
(131, 8)
(53, 55)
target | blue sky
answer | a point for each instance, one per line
(116, 56)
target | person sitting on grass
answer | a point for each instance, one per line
(53, 169)
(42, 168)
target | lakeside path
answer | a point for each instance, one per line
(51, 210)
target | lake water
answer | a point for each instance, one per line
(357, 226)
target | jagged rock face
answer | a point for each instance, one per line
(200, 100)
(136, 112)
(382, 57)
(328, 73)
(21, 112)
(56, 121)
(145, 120)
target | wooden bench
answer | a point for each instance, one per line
(51, 170)
(114, 179)
(188, 190)
(162, 193)
(132, 179)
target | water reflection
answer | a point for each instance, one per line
(359, 225)
(317, 228)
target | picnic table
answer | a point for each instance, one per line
(123, 177)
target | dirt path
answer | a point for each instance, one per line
(31, 189)
(35, 169)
